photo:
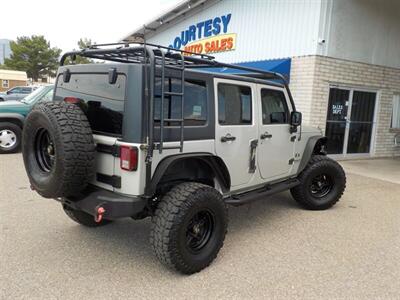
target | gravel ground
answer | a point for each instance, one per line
(273, 249)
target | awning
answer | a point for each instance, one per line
(281, 66)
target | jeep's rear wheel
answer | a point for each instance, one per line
(189, 227)
(10, 137)
(83, 218)
(322, 184)
(58, 149)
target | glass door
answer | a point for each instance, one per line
(350, 121)
(336, 120)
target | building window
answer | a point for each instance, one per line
(234, 104)
(396, 112)
(5, 84)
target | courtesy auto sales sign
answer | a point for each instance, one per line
(206, 37)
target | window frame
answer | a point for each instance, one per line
(239, 84)
(5, 81)
(396, 97)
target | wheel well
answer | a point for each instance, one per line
(209, 170)
(12, 120)
(319, 147)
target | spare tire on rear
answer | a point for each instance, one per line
(58, 149)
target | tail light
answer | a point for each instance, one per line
(72, 100)
(128, 158)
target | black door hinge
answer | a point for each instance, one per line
(252, 163)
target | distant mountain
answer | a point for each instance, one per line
(5, 50)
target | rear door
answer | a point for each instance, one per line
(276, 146)
(236, 127)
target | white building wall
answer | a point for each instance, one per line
(365, 31)
(266, 29)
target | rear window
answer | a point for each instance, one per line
(102, 102)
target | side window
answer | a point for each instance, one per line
(16, 90)
(274, 107)
(195, 106)
(26, 90)
(234, 104)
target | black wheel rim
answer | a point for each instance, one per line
(44, 150)
(199, 230)
(321, 185)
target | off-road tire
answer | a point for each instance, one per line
(73, 164)
(83, 218)
(17, 132)
(318, 165)
(169, 226)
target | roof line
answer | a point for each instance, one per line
(165, 17)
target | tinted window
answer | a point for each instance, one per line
(274, 107)
(16, 90)
(234, 104)
(103, 103)
(26, 90)
(195, 104)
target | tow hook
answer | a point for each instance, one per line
(99, 214)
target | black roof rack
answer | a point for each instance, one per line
(139, 53)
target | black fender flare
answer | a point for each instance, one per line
(14, 116)
(309, 150)
(214, 162)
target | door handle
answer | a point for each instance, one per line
(227, 138)
(266, 135)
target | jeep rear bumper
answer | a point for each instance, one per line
(115, 205)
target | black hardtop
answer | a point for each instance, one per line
(104, 68)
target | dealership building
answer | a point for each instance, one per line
(342, 58)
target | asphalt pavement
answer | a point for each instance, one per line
(273, 249)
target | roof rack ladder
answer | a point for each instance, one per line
(180, 67)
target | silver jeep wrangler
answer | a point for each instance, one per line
(154, 132)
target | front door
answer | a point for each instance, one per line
(235, 128)
(276, 146)
(350, 121)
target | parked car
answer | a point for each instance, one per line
(17, 93)
(12, 117)
(178, 145)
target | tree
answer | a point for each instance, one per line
(34, 56)
(83, 43)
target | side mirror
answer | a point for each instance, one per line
(9, 92)
(296, 118)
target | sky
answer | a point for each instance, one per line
(63, 23)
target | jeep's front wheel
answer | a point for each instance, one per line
(322, 184)
(189, 227)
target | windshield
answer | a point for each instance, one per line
(38, 93)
